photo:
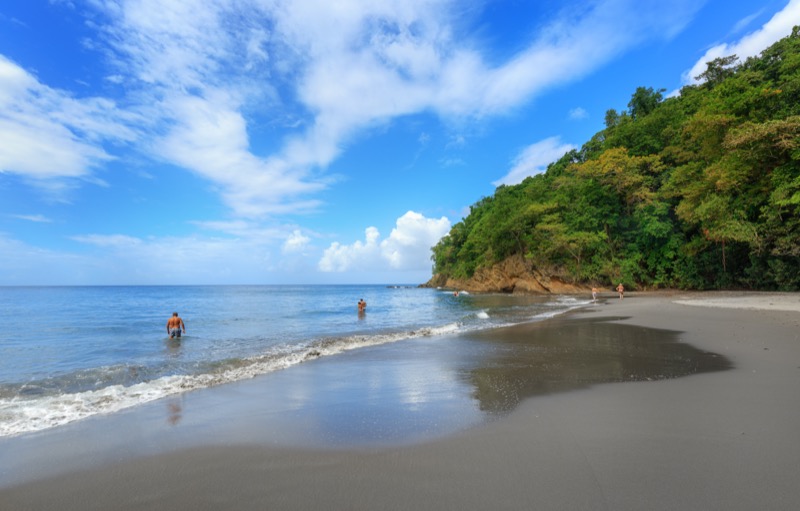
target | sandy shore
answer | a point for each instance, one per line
(725, 439)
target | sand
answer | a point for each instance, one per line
(726, 438)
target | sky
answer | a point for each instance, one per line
(179, 142)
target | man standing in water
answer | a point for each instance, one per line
(362, 305)
(174, 326)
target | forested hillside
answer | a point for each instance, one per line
(699, 191)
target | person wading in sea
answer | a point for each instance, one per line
(174, 326)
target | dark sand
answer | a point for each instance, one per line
(639, 404)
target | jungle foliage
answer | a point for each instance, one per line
(697, 191)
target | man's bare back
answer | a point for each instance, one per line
(174, 325)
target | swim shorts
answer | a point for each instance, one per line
(175, 332)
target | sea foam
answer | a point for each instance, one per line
(21, 415)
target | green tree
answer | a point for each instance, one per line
(718, 70)
(644, 101)
(696, 191)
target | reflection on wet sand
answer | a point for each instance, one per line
(560, 355)
(174, 411)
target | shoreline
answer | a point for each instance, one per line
(716, 440)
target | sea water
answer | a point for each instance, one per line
(67, 353)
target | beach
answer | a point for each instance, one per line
(460, 423)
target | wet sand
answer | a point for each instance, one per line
(660, 401)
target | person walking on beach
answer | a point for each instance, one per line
(174, 326)
(621, 290)
(594, 294)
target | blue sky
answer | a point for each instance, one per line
(308, 141)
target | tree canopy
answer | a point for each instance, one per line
(697, 191)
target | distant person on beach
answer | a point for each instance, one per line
(621, 290)
(362, 305)
(594, 294)
(174, 326)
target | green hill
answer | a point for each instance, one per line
(698, 191)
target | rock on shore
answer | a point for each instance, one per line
(514, 275)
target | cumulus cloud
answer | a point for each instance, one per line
(534, 160)
(364, 255)
(408, 247)
(752, 44)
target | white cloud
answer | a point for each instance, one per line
(752, 44)
(211, 139)
(123, 259)
(295, 243)
(289, 238)
(201, 65)
(119, 258)
(255, 256)
(235, 227)
(408, 247)
(34, 218)
(743, 23)
(360, 255)
(110, 240)
(23, 264)
(421, 65)
(46, 133)
(534, 160)
(578, 113)
(199, 73)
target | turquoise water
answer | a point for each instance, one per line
(72, 352)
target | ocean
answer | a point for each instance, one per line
(67, 353)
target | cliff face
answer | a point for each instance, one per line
(514, 275)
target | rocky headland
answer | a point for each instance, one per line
(514, 275)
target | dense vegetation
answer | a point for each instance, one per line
(698, 191)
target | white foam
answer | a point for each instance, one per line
(21, 415)
(566, 300)
(27, 414)
(754, 301)
(442, 330)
